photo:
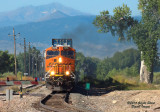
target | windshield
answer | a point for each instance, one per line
(53, 53)
(62, 42)
(69, 54)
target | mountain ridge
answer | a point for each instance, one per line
(35, 13)
(85, 37)
(39, 24)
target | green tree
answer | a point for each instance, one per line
(79, 65)
(104, 67)
(144, 33)
(86, 66)
(35, 62)
(6, 62)
(126, 58)
(121, 60)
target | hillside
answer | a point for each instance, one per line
(85, 37)
(39, 24)
(36, 13)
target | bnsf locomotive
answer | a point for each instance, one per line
(60, 65)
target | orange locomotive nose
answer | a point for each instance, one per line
(60, 65)
(60, 48)
(60, 70)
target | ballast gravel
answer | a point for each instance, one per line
(116, 101)
(120, 101)
(24, 104)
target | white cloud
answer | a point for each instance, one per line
(93, 46)
(45, 12)
(54, 10)
(9, 46)
(40, 45)
(66, 26)
(115, 44)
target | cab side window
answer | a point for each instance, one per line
(51, 54)
(68, 54)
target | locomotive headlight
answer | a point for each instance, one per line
(60, 60)
(52, 73)
(67, 72)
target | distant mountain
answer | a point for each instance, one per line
(39, 24)
(85, 37)
(36, 13)
(54, 15)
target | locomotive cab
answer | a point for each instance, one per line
(60, 65)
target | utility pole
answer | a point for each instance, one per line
(14, 51)
(24, 56)
(36, 62)
(29, 61)
(36, 67)
(32, 66)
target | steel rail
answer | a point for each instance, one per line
(64, 103)
(45, 99)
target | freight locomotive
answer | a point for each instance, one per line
(60, 65)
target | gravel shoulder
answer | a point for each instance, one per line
(116, 101)
(24, 104)
(120, 101)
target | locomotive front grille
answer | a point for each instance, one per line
(59, 69)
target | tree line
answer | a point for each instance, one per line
(85, 66)
(33, 54)
(127, 61)
(101, 68)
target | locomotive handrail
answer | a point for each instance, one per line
(47, 73)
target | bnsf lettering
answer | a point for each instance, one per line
(50, 65)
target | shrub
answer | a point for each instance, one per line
(19, 75)
(12, 77)
(8, 74)
(132, 83)
(27, 78)
(156, 77)
(14, 88)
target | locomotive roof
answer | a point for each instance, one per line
(63, 42)
(51, 48)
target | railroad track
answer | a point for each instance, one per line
(27, 89)
(31, 88)
(54, 102)
(59, 102)
(93, 91)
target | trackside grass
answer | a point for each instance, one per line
(123, 82)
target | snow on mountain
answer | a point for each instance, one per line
(36, 13)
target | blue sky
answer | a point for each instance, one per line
(88, 6)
